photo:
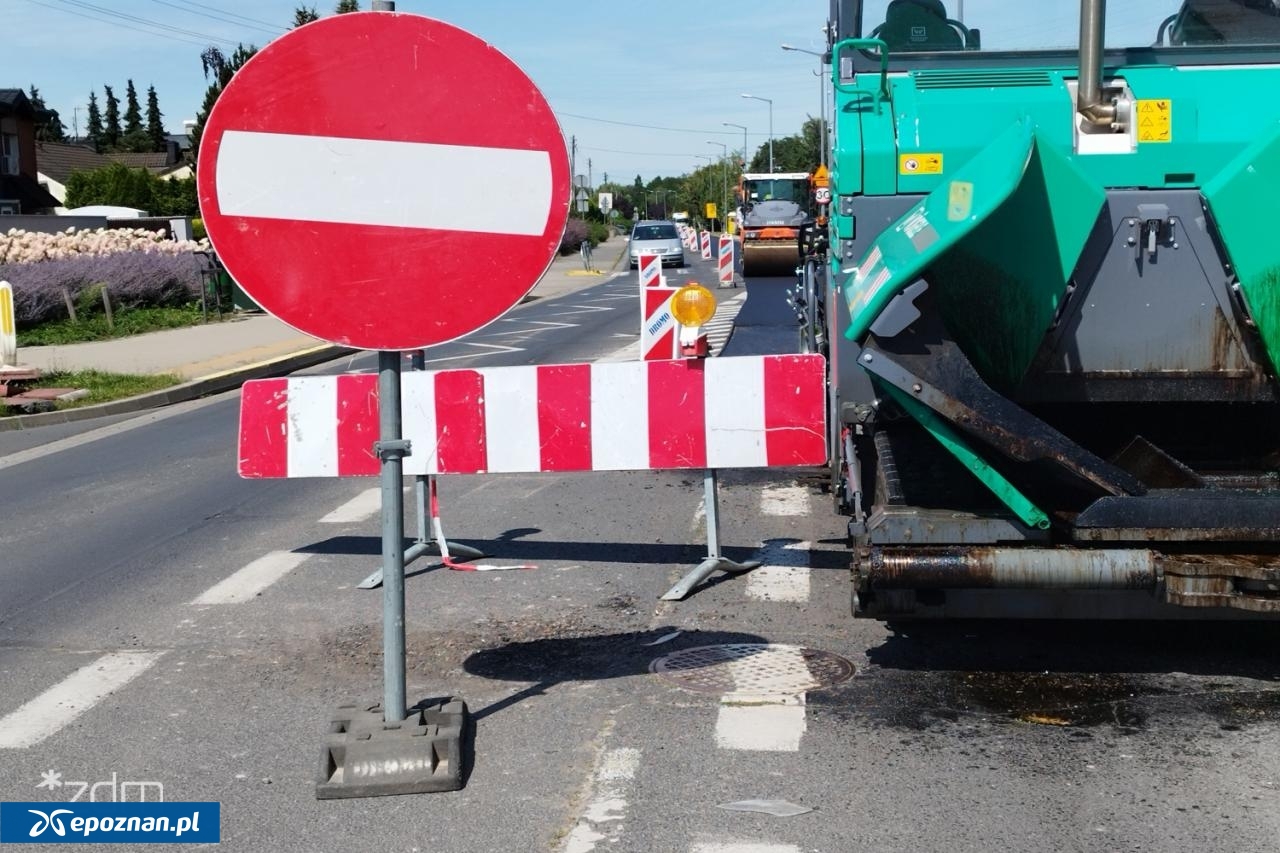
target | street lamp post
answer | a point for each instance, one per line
(770, 103)
(743, 128)
(706, 186)
(663, 194)
(822, 105)
(724, 178)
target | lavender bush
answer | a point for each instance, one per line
(134, 279)
(575, 231)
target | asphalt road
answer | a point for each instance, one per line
(969, 737)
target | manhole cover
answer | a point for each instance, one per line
(759, 668)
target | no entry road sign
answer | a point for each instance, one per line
(383, 181)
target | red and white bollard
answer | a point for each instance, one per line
(650, 268)
(724, 260)
(659, 338)
(706, 245)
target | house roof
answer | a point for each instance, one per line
(29, 194)
(154, 161)
(15, 101)
(57, 160)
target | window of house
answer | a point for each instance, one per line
(8, 153)
(10, 207)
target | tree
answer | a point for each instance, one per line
(119, 185)
(797, 153)
(345, 6)
(132, 110)
(111, 136)
(49, 126)
(135, 138)
(94, 133)
(218, 69)
(155, 127)
(304, 15)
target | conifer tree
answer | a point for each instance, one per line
(94, 134)
(155, 127)
(111, 119)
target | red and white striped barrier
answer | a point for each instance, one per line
(724, 260)
(659, 331)
(650, 268)
(747, 412)
(706, 245)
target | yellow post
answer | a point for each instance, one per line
(8, 328)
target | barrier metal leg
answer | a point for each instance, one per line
(430, 533)
(714, 562)
(431, 540)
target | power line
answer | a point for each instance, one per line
(652, 126)
(275, 31)
(202, 42)
(135, 19)
(635, 153)
(221, 11)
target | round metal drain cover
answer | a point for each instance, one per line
(757, 668)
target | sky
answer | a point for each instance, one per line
(679, 69)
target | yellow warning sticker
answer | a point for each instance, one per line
(1155, 120)
(920, 164)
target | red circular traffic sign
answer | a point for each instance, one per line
(383, 181)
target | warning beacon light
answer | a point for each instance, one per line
(693, 306)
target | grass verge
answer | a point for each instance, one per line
(93, 327)
(102, 387)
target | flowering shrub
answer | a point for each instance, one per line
(133, 278)
(575, 231)
(25, 247)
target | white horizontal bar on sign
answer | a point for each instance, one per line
(378, 182)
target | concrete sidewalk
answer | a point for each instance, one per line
(219, 356)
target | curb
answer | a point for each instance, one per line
(215, 383)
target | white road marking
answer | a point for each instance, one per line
(245, 584)
(784, 575)
(46, 714)
(762, 718)
(699, 514)
(583, 309)
(761, 724)
(603, 818)
(327, 179)
(546, 323)
(784, 500)
(496, 349)
(362, 506)
(742, 847)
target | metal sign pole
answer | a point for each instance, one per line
(392, 449)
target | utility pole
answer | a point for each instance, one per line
(591, 182)
(573, 164)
